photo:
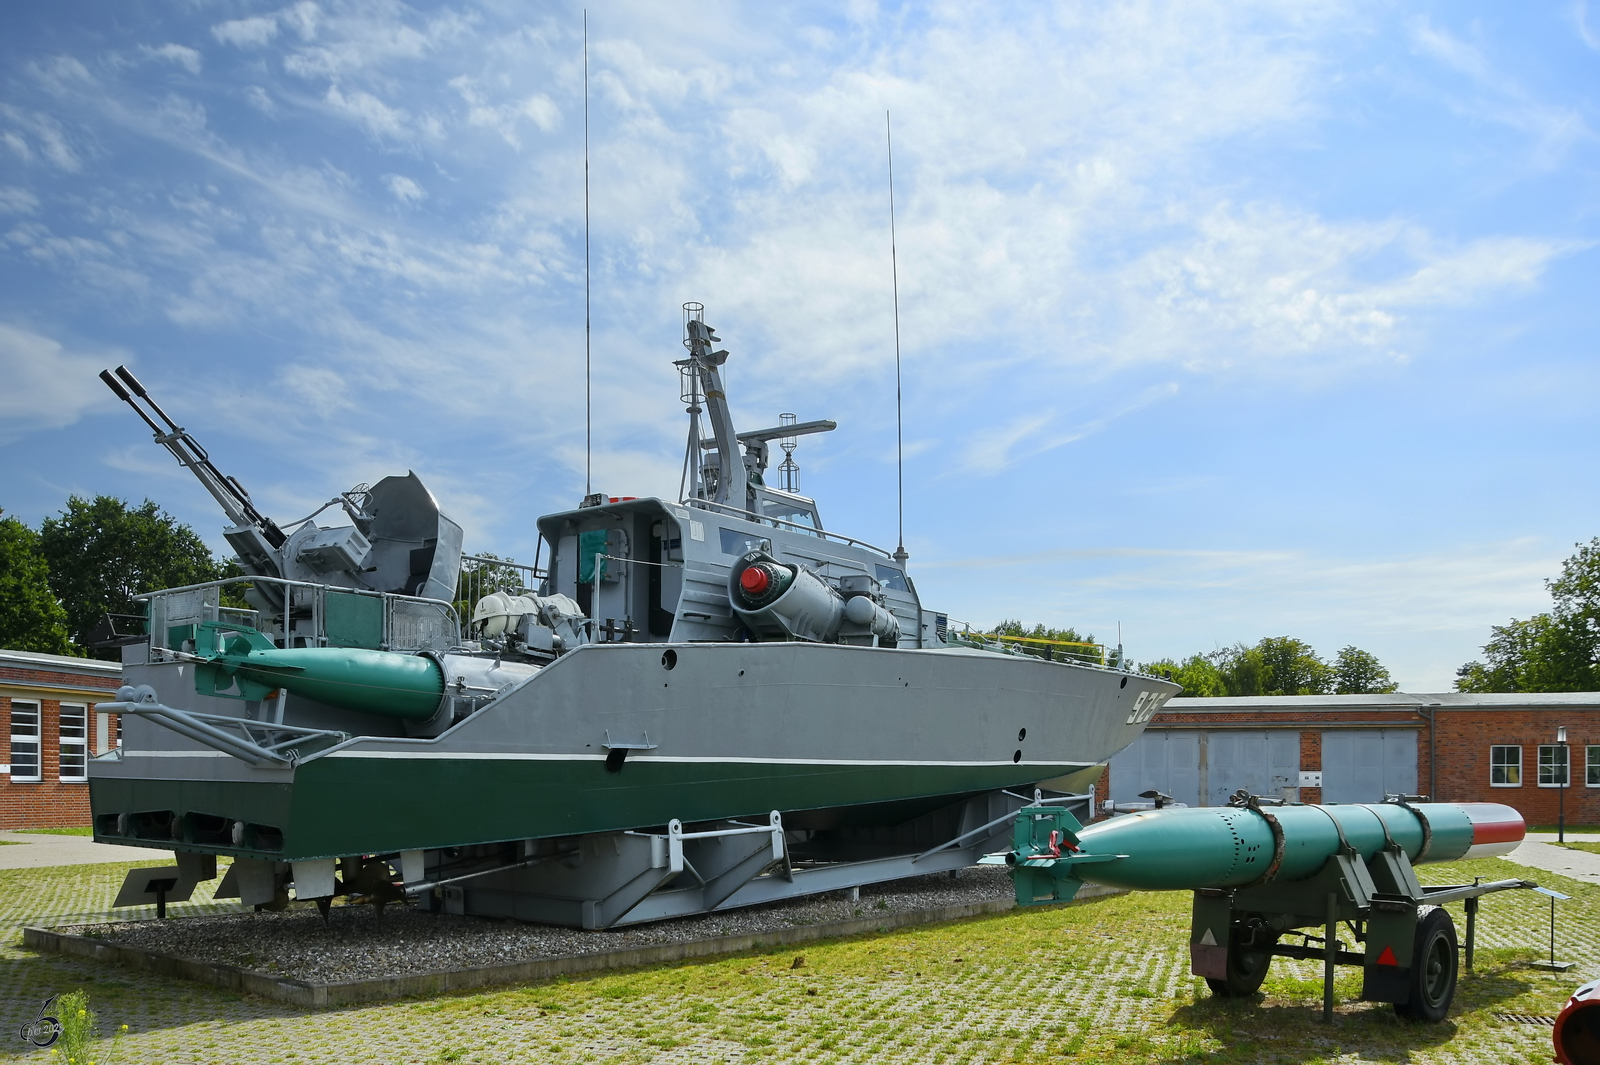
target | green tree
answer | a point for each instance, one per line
(1243, 669)
(102, 553)
(31, 618)
(1537, 655)
(1200, 677)
(1551, 652)
(1358, 672)
(1293, 668)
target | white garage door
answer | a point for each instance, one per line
(1262, 763)
(1204, 768)
(1364, 765)
(1168, 762)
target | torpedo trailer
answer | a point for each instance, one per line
(1261, 870)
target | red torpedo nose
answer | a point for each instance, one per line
(1496, 829)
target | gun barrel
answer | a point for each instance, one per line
(226, 490)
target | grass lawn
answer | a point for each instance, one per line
(1103, 981)
(1592, 848)
(83, 830)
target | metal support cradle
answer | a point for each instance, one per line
(274, 747)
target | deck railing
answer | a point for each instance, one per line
(313, 615)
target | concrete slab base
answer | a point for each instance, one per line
(309, 995)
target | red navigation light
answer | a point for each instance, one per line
(755, 580)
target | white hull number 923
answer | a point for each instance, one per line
(1145, 707)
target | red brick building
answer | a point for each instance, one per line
(48, 731)
(1455, 747)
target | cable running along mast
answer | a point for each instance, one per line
(899, 444)
(588, 402)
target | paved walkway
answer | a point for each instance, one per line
(1539, 851)
(36, 849)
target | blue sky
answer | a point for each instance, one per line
(1219, 320)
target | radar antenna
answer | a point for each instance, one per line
(899, 444)
(788, 470)
(588, 392)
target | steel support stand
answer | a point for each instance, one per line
(1472, 927)
(1330, 952)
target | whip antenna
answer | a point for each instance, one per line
(899, 443)
(588, 402)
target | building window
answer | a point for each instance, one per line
(74, 742)
(1505, 766)
(24, 741)
(1553, 765)
(1594, 766)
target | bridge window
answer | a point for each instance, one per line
(890, 577)
(738, 542)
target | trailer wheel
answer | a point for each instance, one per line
(1248, 961)
(1433, 968)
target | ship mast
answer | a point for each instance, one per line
(731, 488)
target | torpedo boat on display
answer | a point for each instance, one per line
(695, 704)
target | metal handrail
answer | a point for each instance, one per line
(286, 582)
(738, 512)
(448, 612)
(991, 641)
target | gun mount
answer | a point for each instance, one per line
(397, 540)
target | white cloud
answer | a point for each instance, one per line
(542, 111)
(47, 386)
(1580, 16)
(18, 146)
(1501, 99)
(257, 98)
(503, 118)
(247, 32)
(303, 18)
(37, 133)
(378, 118)
(404, 189)
(187, 58)
(1430, 609)
(17, 201)
(358, 40)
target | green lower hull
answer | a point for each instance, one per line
(342, 806)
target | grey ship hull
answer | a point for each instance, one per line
(835, 738)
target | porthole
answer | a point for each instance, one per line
(1022, 734)
(1017, 757)
(669, 658)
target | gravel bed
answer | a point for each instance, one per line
(355, 944)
